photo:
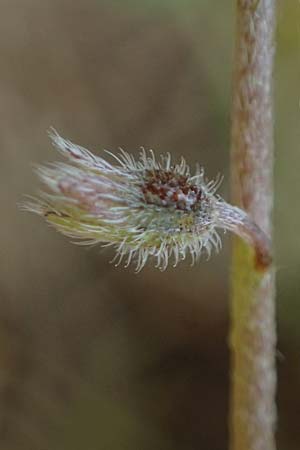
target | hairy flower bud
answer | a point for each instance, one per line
(145, 208)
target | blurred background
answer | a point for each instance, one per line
(92, 356)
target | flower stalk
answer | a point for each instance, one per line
(253, 334)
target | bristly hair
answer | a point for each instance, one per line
(145, 208)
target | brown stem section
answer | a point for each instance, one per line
(253, 335)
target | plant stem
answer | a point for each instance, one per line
(253, 334)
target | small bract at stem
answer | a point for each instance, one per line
(239, 222)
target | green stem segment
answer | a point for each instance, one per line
(253, 335)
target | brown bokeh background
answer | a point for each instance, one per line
(92, 356)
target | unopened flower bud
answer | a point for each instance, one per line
(145, 208)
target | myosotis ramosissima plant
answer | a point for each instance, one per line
(144, 208)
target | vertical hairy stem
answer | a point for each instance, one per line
(253, 335)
